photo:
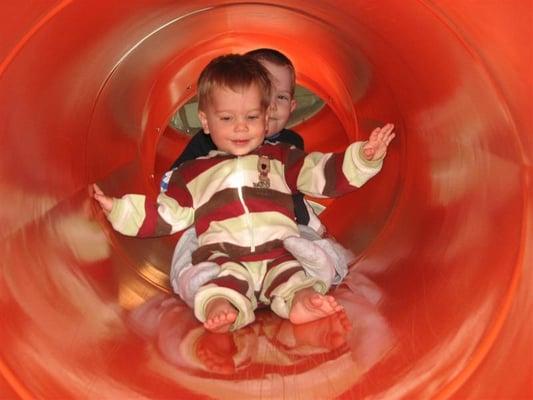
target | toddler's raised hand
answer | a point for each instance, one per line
(106, 202)
(379, 139)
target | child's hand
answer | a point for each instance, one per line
(105, 202)
(379, 139)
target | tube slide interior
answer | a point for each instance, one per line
(437, 295)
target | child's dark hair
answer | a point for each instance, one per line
(275, 57)
(233, 71)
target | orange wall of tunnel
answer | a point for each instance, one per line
(444, 231)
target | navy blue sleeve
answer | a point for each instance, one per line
(300, 210)
(199, 145)
(290, 137)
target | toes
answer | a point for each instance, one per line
(316, 300)
(325, 303)
(231, 317)
(220, 320)
(211, 323)
(227, 317)
(334, 304)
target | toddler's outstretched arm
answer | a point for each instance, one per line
(359, 162)
(105, 202)
(377, 144)
(142, 216)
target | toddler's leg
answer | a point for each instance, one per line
(309, 305)
(295, 295)
(226, 302)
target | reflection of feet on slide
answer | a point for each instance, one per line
(309, 305)
(216, 352)
(329, 332)
(220, 315)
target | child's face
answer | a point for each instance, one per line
(283, 104)
(236, 121)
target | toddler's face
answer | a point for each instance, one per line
(283, 104)
(235, 120)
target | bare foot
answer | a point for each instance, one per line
(309, 305)
(220, 315)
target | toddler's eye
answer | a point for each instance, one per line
(283, 97)
(252, 117)
(225, 118)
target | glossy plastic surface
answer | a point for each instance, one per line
(438, 297)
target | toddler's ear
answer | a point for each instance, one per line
(293, 104)
(268, 113)
(203, 120)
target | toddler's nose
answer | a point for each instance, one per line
(241, 125)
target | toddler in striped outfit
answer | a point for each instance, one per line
(239, 198)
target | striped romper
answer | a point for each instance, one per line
(242, 210)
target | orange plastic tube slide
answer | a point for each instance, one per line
(437, 301)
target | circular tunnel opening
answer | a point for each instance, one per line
(423, 230)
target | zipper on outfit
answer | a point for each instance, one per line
(244, 206)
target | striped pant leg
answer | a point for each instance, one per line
(234, 284)
(284, 277)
